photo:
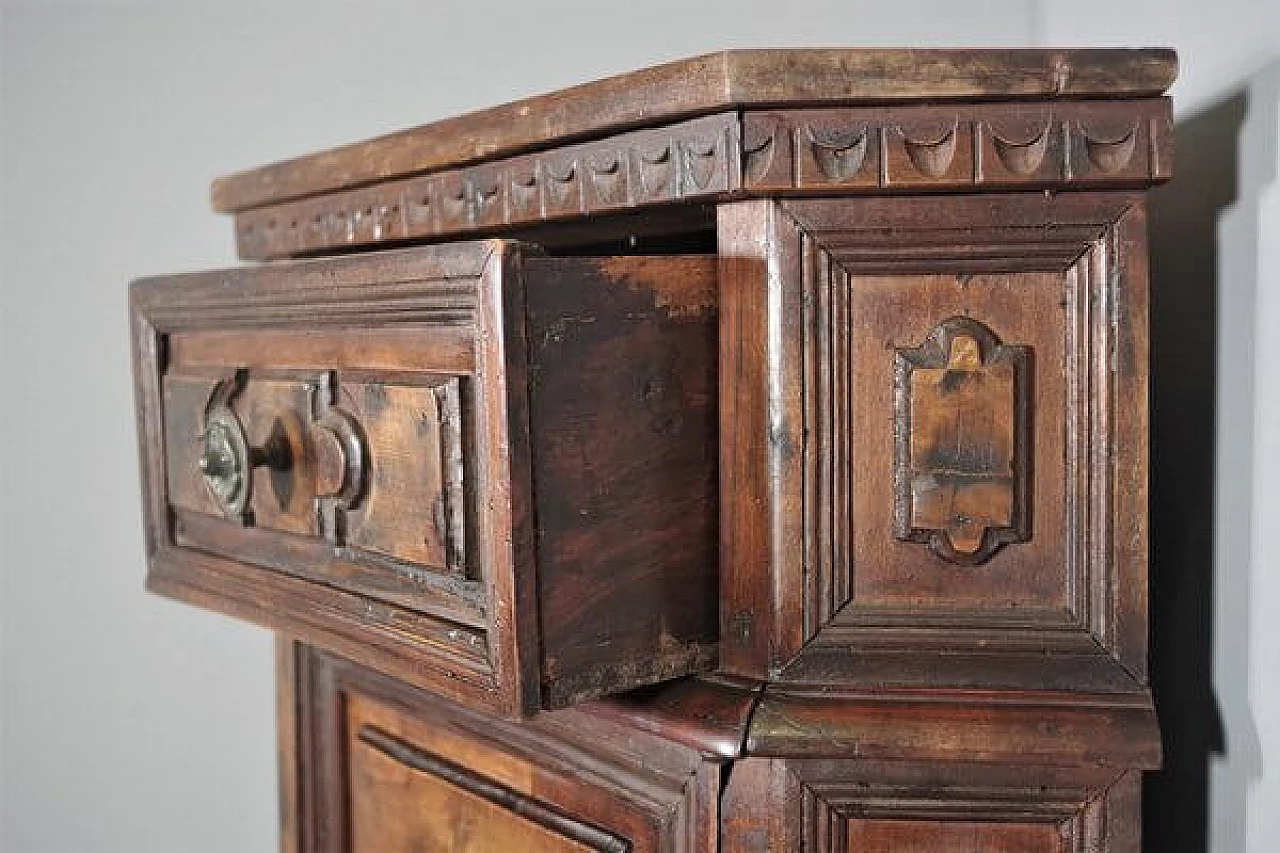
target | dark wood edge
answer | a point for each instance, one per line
(760, 625)
(1131, 291)
(958, 727)
(510, 800)
(504, 477)
(660, 787)
(289, 753)
(701, 85)
(232, 589)
(286, 280)
(709, 713)
(592, 682)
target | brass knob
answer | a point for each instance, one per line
(227, 459)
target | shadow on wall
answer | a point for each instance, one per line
(1204, 266)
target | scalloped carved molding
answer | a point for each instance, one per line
(975, 147)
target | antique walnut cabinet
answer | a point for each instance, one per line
(743, 454)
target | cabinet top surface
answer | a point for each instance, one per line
(701, 85)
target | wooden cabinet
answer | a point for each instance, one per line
(745, 454)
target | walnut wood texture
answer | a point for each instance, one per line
(537, 518)
(961, 472)
(705, 84)
(384, 767)
(818, 298)
(871, 806)
(882, 460)
(977, 147)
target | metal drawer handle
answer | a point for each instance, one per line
(227, 459)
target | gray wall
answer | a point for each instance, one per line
(131, 724)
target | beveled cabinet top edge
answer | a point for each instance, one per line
(702, 85)
(458, 260)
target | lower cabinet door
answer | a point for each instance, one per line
(372, 765)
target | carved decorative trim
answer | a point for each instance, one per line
(451, 515)
(866, 150)
(499, 795)
(1083, 143)
(688, 160)
(961, 439)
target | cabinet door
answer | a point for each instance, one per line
(487, 472)
(374, 766)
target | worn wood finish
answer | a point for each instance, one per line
(705, 84)
(800, 447)
(385, 768)
(838, 806)
(961, 473)
(622, 402)
(928, 724)
(976, 147)
(1064, 277)
(498, 476)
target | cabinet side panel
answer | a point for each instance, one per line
(622, 389)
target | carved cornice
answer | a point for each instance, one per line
(695, 159)
(971, 147)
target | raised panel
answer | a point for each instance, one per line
(419, 507)
(904, 836)
(950, 466)
(908, 551)
(373, 764)
(871, 806)
(405, 800)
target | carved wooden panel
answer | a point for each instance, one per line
(405, 799)
(416, 437)
(372, 764)
(408, 517)
(367, 540)
(903, 384)
(960, 435)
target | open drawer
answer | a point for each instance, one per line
(484, 471)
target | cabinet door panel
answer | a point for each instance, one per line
(370, 764)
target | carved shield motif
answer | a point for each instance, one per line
(961, 428)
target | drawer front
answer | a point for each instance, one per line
(373, 766)
(328, 449)
(345, 450)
